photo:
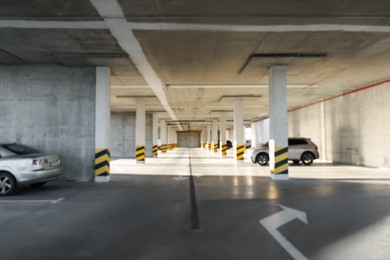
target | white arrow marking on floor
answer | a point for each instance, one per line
(276, 220)
(33, 201)
(180, 178)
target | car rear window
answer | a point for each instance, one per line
(21, 149)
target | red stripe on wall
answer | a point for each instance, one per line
(344, 94)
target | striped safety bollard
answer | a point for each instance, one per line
(140, 154)
(281, 160)
(215, 148)
(240, 151)
(224, 149)
(102, 162)
(164, 148)
(155, 150)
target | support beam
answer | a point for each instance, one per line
(102, 125)
(208, 146)
(239, 130)
(278, 144)
(214, 136)
(112, 13)
(155, 134)
(163, 137)
(222, 132)
(140, 126)
(202, 139)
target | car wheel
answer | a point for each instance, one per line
(7, 184)
(296, 161)
(307, 158)
(37, 184)
(262, 159)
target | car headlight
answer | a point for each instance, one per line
(248, 153)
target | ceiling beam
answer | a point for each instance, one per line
(113, 16)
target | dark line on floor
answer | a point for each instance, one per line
(194, 207)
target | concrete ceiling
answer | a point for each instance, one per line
(194, 58)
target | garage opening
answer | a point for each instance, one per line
(188, 139)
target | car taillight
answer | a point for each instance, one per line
(38, 164)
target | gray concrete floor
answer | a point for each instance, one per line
(137, 216)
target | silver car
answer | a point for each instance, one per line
(21, 164)
(299, 149)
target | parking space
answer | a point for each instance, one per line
(239, 216)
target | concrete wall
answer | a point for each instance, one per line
(357, 126)
(51, 108)
(188, 139)
(123, 135)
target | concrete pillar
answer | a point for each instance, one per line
(102, 125)
(231, 135)
(175, 137)
(170, 138)
(155, 134)
(208, 138)
(202, 138)
(239, 130)
(214, 135)
(278, 144)
(140, 129)
(163, 137)
(222, 133)
(244, 134)
(254, 137)
(323, 155)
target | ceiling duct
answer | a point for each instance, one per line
(136, 97)
(239, 97)
(280, 58)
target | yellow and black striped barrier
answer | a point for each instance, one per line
(140, 153)
(201, 144)
(209, 146)
(102, 162)
(281, 160)
(164, 148)
(240, 151)
(215, 148)
(224, 149)
(155, 150)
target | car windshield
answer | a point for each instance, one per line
(20, 149)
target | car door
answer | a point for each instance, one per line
(293, 149)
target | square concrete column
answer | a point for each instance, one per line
(255, 133)
(208, 146)
(222, 132)
(174, 133)
(239, 130)
(170, 137)
(278, 144)
(202, 138)
(102, 125)
(214, 135)
(155, 134)
(140, 129)
(163, 136)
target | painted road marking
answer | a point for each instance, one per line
(194, 206)
(180, 178)
(276, 220)
(33, 201)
